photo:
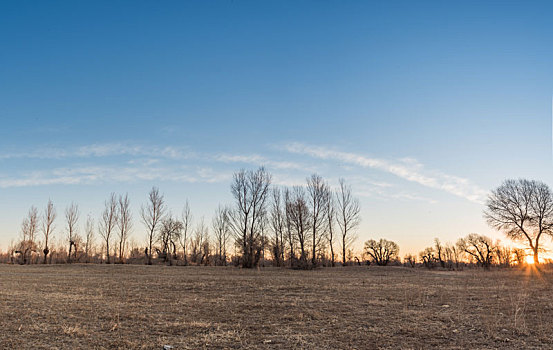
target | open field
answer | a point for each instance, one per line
(146, 307)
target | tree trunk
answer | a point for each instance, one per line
(107, 253)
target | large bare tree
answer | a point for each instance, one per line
(48, 227)
(347, 215)
(250, 189)
(523, 210)
(318, 192)
(152, 214)
(108, 222)
(124, 224)
(71, 220)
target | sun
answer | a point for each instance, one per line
(529, 259)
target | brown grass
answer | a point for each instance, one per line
(146, 307)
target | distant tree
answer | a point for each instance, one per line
(248, 217)
(504, 255)
(221, 230)
(71, 220)
(478, 247)
(523, 210)
(89, 237)
(299, 216)
(290, 236)
(124, 224)
(520, 256)
(278, 226)
(382, 251)
(152, 214)
(48, 227)
(318, 193)
(452, 256)
(330, 233)
(410, 260)
(440, 253)
(29, 228)
(347, 216)
(199, 248)
(428, 257)
(186, 227)
(169, 235)
(108, 223)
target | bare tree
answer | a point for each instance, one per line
(523, 210)
(299, 216)
(428, 257)
(520, 256)
(318, 192)
(221, 230)
(439, 251)
(124, 223)
(478, 247)
(382, 251)
(29, 227)
(152, 214)
(199, 247)
(71, 219)
(108, 222)
(410, 260)
(186, 227)
(291, 238)
(452, 256)
(48, 227)
(89, 237)
(504, 255)
(169, 234)
(330, 218)
(347, 216)
(250, 189)
(278, 226)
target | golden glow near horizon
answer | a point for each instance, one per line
(529, 259)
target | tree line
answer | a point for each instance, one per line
(298, 227)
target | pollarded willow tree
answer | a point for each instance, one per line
(478, 247)
(382, 251)
(48, 227)
(523, 210)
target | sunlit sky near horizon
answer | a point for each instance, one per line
(423, 107)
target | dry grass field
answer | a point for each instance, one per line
(146, 307)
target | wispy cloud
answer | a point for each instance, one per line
(260, 160)
(408, 168)
(100, 151)
(105, 174)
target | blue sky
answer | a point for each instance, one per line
(422, 106)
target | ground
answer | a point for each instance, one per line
(147, 307)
